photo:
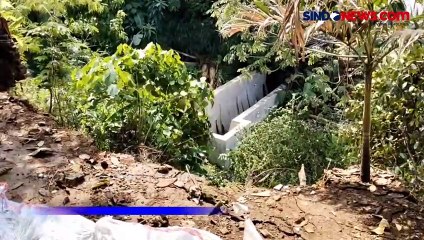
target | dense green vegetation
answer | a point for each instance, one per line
(115, 69)
(279, 25)
(141, 97)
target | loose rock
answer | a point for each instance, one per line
(42, 152)
(164, 169)
(84, 156)
(74, 180)
(165, 182)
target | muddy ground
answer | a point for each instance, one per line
(43, 163)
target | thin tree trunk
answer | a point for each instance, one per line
(366, 128)
(51, 100)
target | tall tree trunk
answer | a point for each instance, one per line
(11, 68)
(366, 127)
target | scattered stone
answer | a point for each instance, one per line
(48, 131)
(278, 187)
(43, 192)
(179, 184)
(298, 190)
(241, 225)
(188, 223)
(66, 200)
(266, 193)
(224, 231)
(40, 143)
(242, 199)
(33, 131)
(265, 233)
(76, 167)
(84, 156)
(398, 227)
(309, 228)
(382, 182)
(277, 197)
(270, 202)
(58, 140)
(92, 161)
(164, 169)
(40, 175)
(104, 164)
(115, 161)
(41, 152)
(372, 188)
(74, 180)
(41, 124)
(296, 230)
(312, 193)
(301, 222)
(165, 182)
(54, 191)
(194, 191)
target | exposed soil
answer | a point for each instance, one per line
(46, 164)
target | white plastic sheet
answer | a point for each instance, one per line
(20, 222)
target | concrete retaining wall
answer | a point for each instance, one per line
(233, 98)
(230, 98)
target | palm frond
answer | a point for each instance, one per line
(405, 38)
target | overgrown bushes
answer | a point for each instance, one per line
(142, 97)
(275, 149)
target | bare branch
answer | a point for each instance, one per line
(333, 54)
(338, 42)
(377, 61)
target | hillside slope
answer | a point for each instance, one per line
(45, 164)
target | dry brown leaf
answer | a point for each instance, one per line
(381, 227)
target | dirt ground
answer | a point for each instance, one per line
(45, 164)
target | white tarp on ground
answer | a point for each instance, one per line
(20, 222)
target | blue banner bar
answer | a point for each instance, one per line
(155, 211)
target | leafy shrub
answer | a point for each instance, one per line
(275, 150)
(397, 116)
(56, 37)
(142, 97)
